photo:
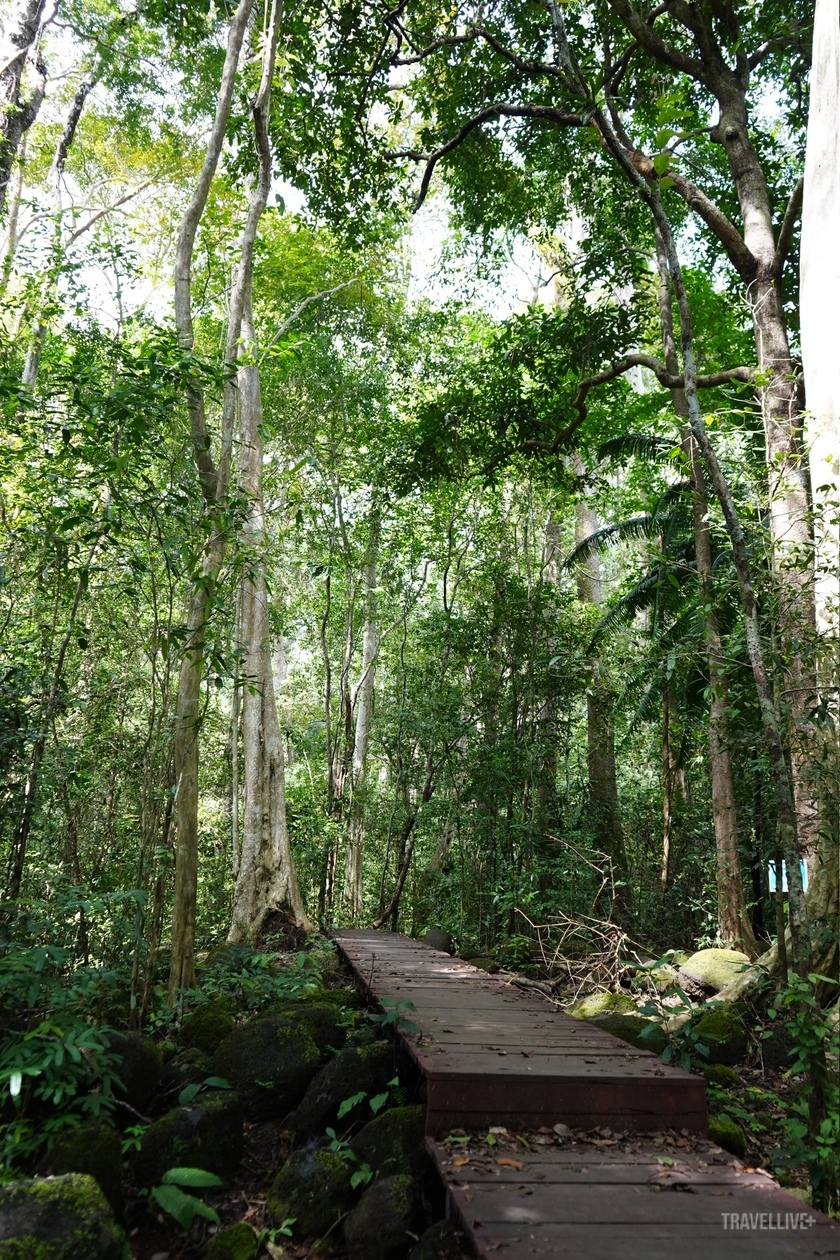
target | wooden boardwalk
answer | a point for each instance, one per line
(493, 1058)
(490, 1055)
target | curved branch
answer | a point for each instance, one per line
(543, 113)
(654, 44)
(791, 216)
(743, 375)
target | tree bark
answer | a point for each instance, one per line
(363, 705)
(214, 484)
(17, 114)
(734, 922)
(266, 883)
(600, 731)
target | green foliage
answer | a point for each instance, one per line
(183, 1207)
(813, 1140)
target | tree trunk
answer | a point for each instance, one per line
(214, 485)
(363, 704)
(772, 730)
(16, 113)
(600, 732)
(266, 883)
(734, 922)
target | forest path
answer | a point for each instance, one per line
(492, 1057)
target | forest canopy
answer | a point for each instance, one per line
(414, 511)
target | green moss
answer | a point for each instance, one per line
(94, 1149)
(595, 1004)
(237, 1242)
(207, 1134)
(484, 963)
(630, 1028)
(393, 1142)
(722, 1031)
(271, 1061)
(728, 1134)
(59, 1218)
(714, 969)
(722, 1076)
(314, 1188)
(206, 1028)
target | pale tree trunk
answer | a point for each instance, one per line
(674, 786)
(214, 485)
(819, 286)
(600, 731)
(734, 922)
(266, 885)
(363, 704)
(771, 724)
(18, 111)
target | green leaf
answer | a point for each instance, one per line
(377, 1103)
(192, 1177)
(350, 1103)
(217, 1082)
(187, 1094)
(180, 1206)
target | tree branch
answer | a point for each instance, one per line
(543, 113)
(791, 215)
(654, 44)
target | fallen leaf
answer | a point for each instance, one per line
(460, 1161)
(506, 1162)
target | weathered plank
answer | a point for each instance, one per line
(491, 1054)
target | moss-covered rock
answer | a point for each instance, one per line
(58, 1218)
(207, 1134)
(188, 1067)
(644, 1034)
(140, 1069)
(206, 1028)
(314, 1188)
(722, 1076)
(436, 938)
(394, 1142)
(722, 1031)
(356, 1070)
(441, 1241)
(484, 963)
(237, 1242)
(94, 1149)
(728, 1134)
(713, 969)
(385, 1222)
(270, 1061)
(595, 1004)
(322, 1019)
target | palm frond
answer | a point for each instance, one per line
(635, 527)
(656, 450)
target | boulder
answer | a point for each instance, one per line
(236, 1242)
(484, 963)
(58, 1218)
(630, 1028)
(713, 969)
(139, 1065)
(385, 1222)
(94, 1149)
(314, 1188)
(208, 1134)
(187, 1067)
(722, 1076)
(206, 1028)
(595, 1004)
(395, 1142)
(441, 1241)
(728, 1134)
(356, 1070)
(778, 1048)
(270, 1061)
(723, 1033)
(321, 1019)
(436, 938)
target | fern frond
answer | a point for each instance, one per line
(656, 450)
